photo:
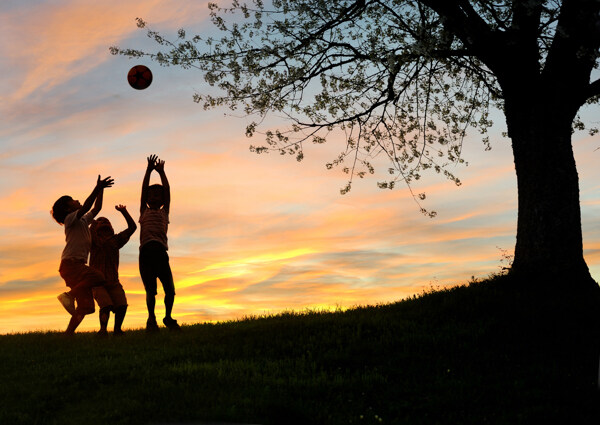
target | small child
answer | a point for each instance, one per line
(154, 260)
(73, 268)
(104, 257)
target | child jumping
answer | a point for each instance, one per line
(104, 257)
(73, 268)
(154, 260)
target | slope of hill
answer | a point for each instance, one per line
(482, 353)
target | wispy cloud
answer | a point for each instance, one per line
(54, 42)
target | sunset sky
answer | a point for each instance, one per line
(249, 234)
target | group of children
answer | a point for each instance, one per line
(86, 236)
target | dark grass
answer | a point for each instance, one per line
(482, 353)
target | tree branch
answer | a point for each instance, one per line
(593, 89)
(574, 50)
(462, 19)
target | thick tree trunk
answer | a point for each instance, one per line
(549, 234)
(548, 262)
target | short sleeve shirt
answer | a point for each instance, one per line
(104, 255)
(154, 224)
(77, 236)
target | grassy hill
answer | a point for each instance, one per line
(482, 353)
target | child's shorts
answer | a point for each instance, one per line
(81, 279)
(111, 294)
(154, 263)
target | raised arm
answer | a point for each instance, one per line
(146, 182)
(160, 168)
(131, 226)
(98, 204)
(100, 185)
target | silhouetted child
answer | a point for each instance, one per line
(104, 257)
(73, 268)
(154, 260)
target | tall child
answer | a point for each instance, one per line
(154, 260)
(73, 265)
(104, 257)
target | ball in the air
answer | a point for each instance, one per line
(139, 77)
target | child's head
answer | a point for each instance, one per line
(102, 227)
(63, 207)
(155, 197)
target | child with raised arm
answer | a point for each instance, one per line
(73, 265)
(154, 260)
(104, 257)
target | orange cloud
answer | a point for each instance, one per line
(66, 39)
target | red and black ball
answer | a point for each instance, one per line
(139, 77)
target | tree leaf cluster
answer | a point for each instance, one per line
(394, 78)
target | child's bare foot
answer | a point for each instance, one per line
(68, 302)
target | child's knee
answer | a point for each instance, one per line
(85, 309)
(120, 309)
(169, 288)
(85, 305)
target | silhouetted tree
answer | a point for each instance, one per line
(406, 79)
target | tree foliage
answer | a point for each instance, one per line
(402, 79)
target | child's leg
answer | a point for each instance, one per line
(151, 324)
(150, 304)
(169, 287)
(85, 306)
(117, 294)
(105, 303)
(169, 301)
(74, 322)
(167, 281)
(119, 317)
(71, 271)
(81, 279)
(148, 274)
(104, 316)
(166, 277)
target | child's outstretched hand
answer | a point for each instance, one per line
(121, 208)
(106, 182)
(160, 165)
(152, 162)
